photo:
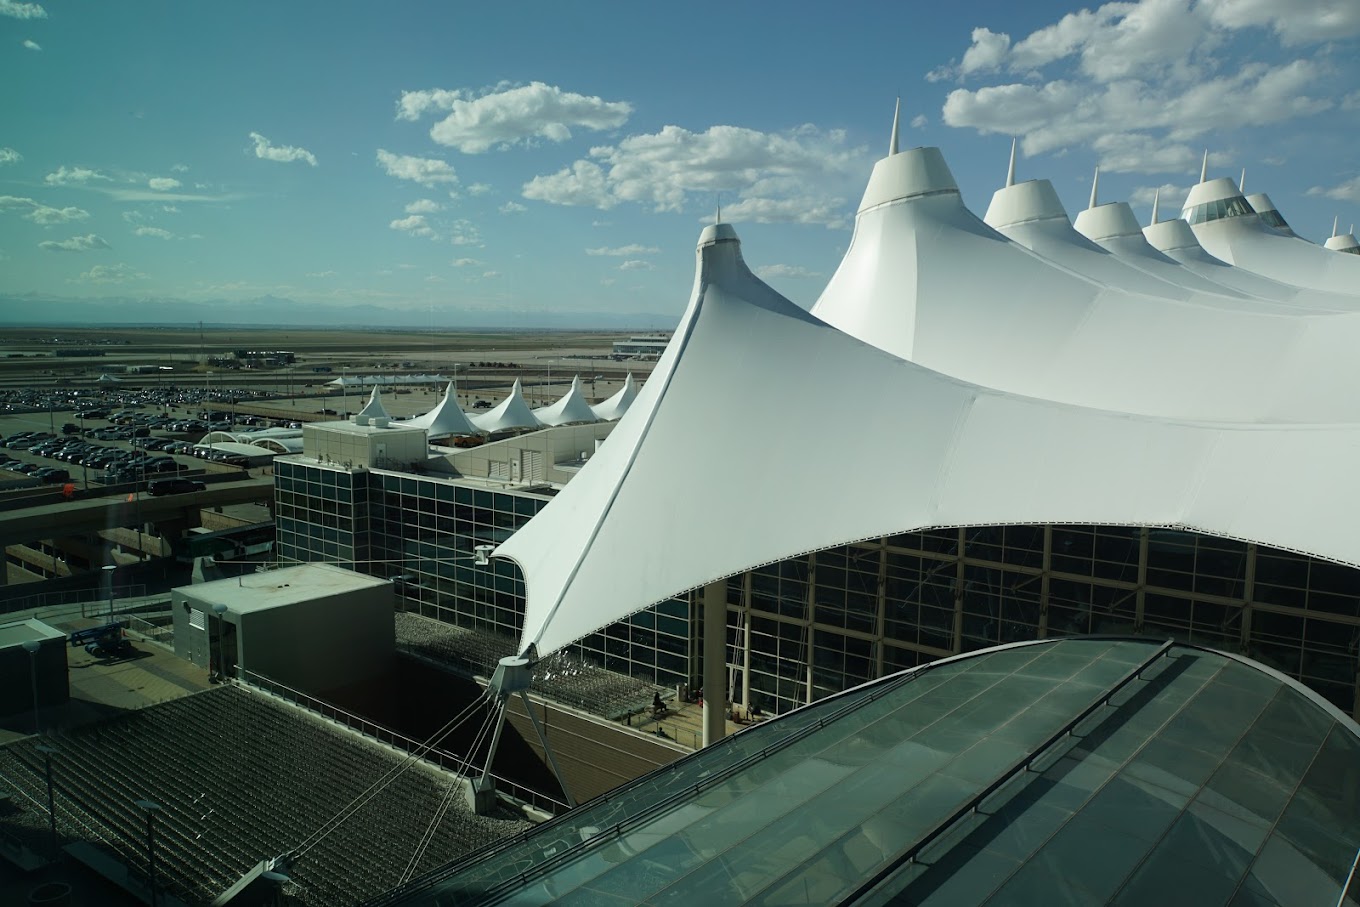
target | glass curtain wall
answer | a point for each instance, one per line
(806, 627)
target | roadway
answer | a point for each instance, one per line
(52, 520)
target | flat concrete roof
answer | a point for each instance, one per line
(21, 631)
(353, 428)
(276, 588)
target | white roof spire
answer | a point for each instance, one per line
(1204, 167)
(897, 114)
(1156, 197)
(1242, 181)
(1010, 170)
(717, 217)
(1095, 185)
(1334, 220)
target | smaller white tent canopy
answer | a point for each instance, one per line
(573, 407)
(385, 380)
(1176, 240)
(1229, 229)
(1342, 242)
(512, 413)
(614, 408)
(445, 419)
(373, 410)
(1269, 214)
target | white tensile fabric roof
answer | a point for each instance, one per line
(512, 412)
(1248, 243)
(447, 418)
(373, 409)
(614, 408)
(954, 453)
(928, 281)
(1175, 239)
(572, 407)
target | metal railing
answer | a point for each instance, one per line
(92, 598)
(449, 762)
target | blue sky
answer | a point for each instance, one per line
(434, 159)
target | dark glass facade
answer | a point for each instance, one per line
(421, 532)
(805, 627)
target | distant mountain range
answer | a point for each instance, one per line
(274, 311)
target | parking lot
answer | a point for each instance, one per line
(91, 449)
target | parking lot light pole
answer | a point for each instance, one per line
(150, 808)
(31, 646)
(47, 752)
(221, 610)
(108, 572)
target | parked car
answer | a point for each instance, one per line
(174, 486)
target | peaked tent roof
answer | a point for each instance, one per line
(1214, 209)
(926, 280)
(572, 407)
(963, 455)
(617, 405)
(512, 412)
(1175, 239)
(373, 409)
(445, 419)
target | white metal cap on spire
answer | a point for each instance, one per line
(897, 115)
(1204, 167)
(1242, 181)
(1156, 199)
(1095, 185)
(1010, 169)
(1334, 220)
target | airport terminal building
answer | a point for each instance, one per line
(1074, 515)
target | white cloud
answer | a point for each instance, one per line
(624, 251)
(154, 231)
(179, 168)
(1348, 191)
(637, 265)
(284, 154)
(425, 171)
(87, 243)
(1349, 102)
(512, 208)
(16, 10)
(467, 262)
(10, 156)
(1172, 67)
(66, 176)
(414, 225)
(607, 281)
(490, 275)
(31, 44)
(163, 183)
(465, 233)
(1296, 22)
(40, 213)
(423, 206)
(415, 103)
(1123, 152)
(507, 115)
(119, 273)
(786, 176)
(434, 278)
(1171, 195)
(320, 274)
(1062, 113)
(920, 121)
(796, 272)
(479, 189)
